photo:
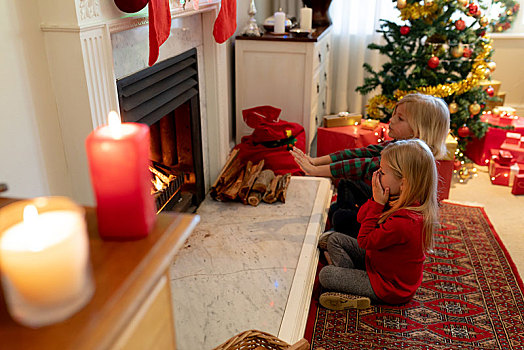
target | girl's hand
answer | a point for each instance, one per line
(380, 195)
(303, 161)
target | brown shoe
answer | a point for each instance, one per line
(339, 301)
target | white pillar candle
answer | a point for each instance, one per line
(306, 18)
(280, 23)
(44, 260)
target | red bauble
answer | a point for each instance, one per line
(460, 24)
(482, 33)
(433, 62)
(467, 52)
(472, 8)
(404, 30)
(463, 131)
(490, 90)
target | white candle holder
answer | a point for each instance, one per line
(44, 260)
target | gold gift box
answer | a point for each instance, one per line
(342, 119)
(493, 83)
(451, 147)
(370, 124)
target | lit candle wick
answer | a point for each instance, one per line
(115, 124)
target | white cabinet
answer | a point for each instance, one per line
(285, 72)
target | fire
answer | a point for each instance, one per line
(158, 185)
(161, 181)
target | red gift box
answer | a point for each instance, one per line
(504, 157)
(513, 138)
(504, 175)
(518, 184)
(515, 150)
(478, 150)
(330, 140)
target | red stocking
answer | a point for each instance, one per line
(159, 26)
(226, 22)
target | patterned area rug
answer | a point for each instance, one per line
(471, 297)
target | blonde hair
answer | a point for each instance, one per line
(413, 161)
(429, 118)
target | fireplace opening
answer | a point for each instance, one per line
(166, 98)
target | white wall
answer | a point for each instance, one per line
(32, 162)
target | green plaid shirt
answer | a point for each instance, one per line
(357, 163)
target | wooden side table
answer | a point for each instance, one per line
(131, 307)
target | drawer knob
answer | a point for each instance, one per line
(318, 88)
(320, 57)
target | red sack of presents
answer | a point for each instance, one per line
(271, 140)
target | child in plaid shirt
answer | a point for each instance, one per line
(415, 116)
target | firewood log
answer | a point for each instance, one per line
(282, 187)
(249, 179)
(254, 198)
(232, 156)
(263, 180)
(231, 192)
(269, 196)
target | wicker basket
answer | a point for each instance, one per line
(253, 339)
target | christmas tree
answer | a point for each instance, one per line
(441, 49)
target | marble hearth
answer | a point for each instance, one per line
(90, 44)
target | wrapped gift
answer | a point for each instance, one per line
(370, 124)
(504, 111)
(504, 175)
(495, 84)
(518, 184)
(505, 157)
(478, 150)
(451, 147)
(516, 151)
(512, 138)
(342, 119)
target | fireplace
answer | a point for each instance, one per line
(96, 45)
(166, 98)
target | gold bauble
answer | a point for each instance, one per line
(492, 66)
(453, 107)
(457, 51)
(509, 12)
(487, 72)
(401, 4)
(474, 108)
(483, 21)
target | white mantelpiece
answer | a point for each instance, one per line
(90, 44)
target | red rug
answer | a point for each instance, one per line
(471, 297)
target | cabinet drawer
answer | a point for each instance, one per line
(320, 82)
(321, 53)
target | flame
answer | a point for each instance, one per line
(158, 184)
(115, 124)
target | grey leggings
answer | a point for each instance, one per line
(348, 272)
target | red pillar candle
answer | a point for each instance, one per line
(118, 155)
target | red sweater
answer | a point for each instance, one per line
(394, 254)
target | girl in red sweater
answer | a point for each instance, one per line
(385, 262)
